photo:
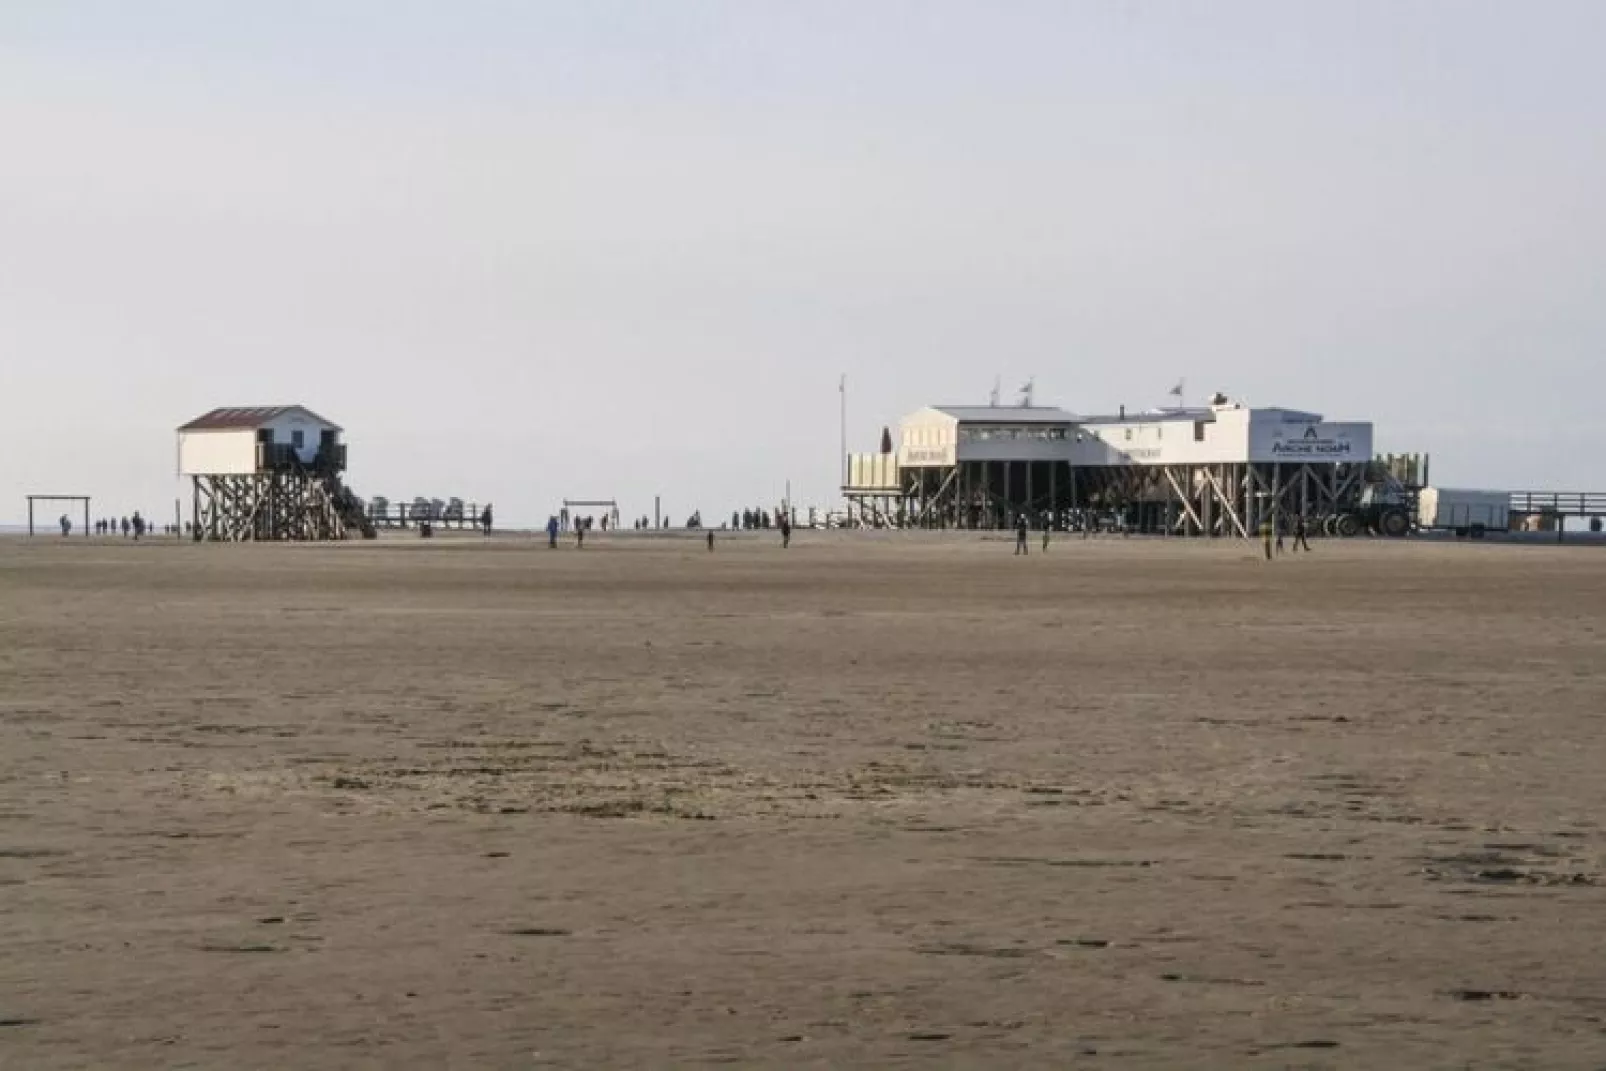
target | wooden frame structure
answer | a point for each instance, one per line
(84, 499)
(280, 504)
(1186, 500)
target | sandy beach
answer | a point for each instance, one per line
(880, 800)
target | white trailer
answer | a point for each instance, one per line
(1464, 512)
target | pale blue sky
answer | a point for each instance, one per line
(527, 250)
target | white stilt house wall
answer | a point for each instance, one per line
(1221, 469)
(267, 473)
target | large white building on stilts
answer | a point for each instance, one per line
(1220, 469)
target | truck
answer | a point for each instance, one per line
(1384, 506)
(1464, 512)
(1384, 509)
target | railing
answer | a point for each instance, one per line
(280, 457)
(1560, 503)
(402, 514)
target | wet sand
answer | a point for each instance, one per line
(876, 801)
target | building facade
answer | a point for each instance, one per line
(1221, 469)
(267, 473)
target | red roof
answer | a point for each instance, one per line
(235, 419)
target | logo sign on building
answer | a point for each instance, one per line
(919, 456)
(1322, 443)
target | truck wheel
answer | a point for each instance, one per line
(1347, 526)
(1394, 523)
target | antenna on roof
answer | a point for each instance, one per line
(1026, 393)
(992, 399)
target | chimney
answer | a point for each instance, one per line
(1123, 412)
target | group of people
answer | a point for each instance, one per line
(135, 526)
(555, 526)
(565, 521)
(755, 519)
(1272, 532)
(582, 525)
(1268, 528)
(760, 520)
(783, 521)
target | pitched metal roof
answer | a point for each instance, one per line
(244, 417)
(1007, 414)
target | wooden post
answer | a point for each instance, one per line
(1240, 491)
(1053, 492)
(967, 487)
(959, 493)
(30, 516)
(1277, 495)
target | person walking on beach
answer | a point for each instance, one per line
(66, 526)
(579, 534)
(552, 532)
(1265, 532)
(1021, 532)
(139, 526)
(710, 541)
(786, 531)
(1047, 526)
(1299, 534)
(1282, 528)
(485, 519)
